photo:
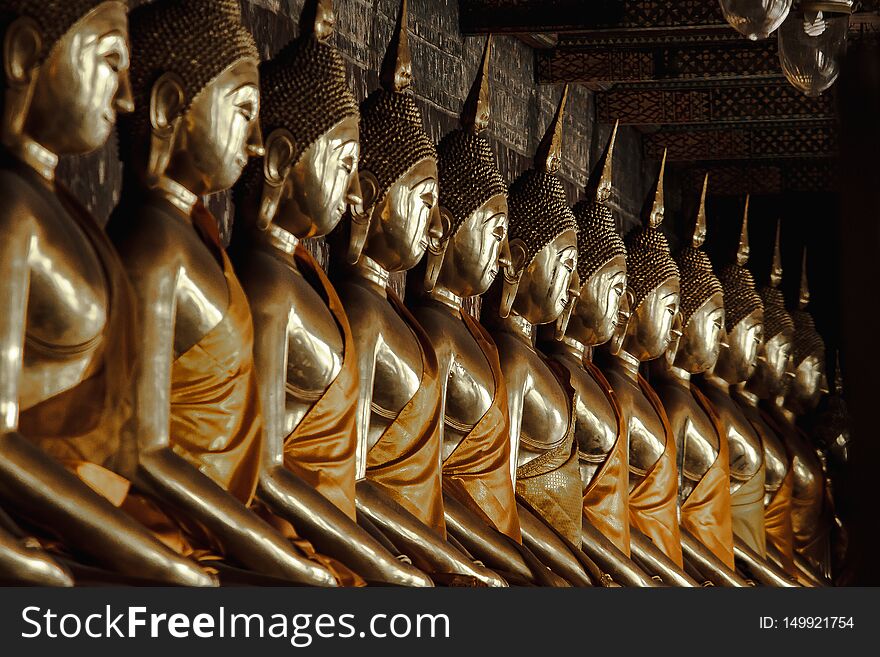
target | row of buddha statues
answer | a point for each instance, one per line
(177, 412)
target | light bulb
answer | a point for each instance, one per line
(755, 19)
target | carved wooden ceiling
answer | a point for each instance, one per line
(688, 81)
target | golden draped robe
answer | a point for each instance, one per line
(477, 472)
(606, 497)
(406, 458)
(747, 507)
(777, 512)
(706, 513)
(551, 483)
(653, 507)
(321, 449)
(811, 517)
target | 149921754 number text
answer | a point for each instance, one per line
(817, 622)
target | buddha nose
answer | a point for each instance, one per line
(355, 195)
(124, 101)
(255, 147)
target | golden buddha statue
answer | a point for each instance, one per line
(653, 288)
(197, 414)
(700, 440)
(769, 381)
(744, 323)
(811, 510)
(534, 290)
(398, 412)
(304, 354)
(64, 396)
(600, 426)
(479, 501)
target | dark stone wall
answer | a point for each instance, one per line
(444, 64)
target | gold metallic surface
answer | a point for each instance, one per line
(199, 453)
(67, 299)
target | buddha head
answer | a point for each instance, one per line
(744, 320)
(543, 234)
(702, 302)
(601, 264)
(473, 200)
(398, 169)
(309, 117)
(197, 95)
(653, 282)
(774, 356)
(66, 65)
(808, 354)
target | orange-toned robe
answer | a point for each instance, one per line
(653, 506)
(82, 426)
(777, 510)
(747, 507)
(551, 483)
(406, 458)
(321, 449)
(477, 472)
(706, 513)
(606, 497)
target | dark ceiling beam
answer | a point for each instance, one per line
(720, 102)
(599, 18)
(668, 62)
(807, 139)
(735, 178)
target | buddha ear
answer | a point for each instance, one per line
(439, 232)
(574, 293)
(675, 339)
(361, 213)
(167, 100)
(621, 325)
(516, 256)
(22, 45)
(277, 163)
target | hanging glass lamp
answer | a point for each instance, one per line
(755, 19)
(812, 42)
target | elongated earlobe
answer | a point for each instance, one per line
(361, 215)
(439, 233)
(22, 46)
(167, 100)
(276, 167)
(574, 293)
(512, 276)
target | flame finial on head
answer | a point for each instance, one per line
(548, 157)
(699, 236)
(396, 71)
(804, 295)
(599, 185)
(742, 251)
(776, 267)
(658, 209)
(475, 113)
(319, 19)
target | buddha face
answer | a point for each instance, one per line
(400, 221)
(220, 131)
(543, 289)
(700, 341)
(472, 258)
(322, 183)
(650, 330)
(596, 310)
(738, 359)
(774, 362)
(806, 384)
(83, 84)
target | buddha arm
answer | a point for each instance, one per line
(761, 569)
(313, 515)
(14, 283)
(245, 537)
